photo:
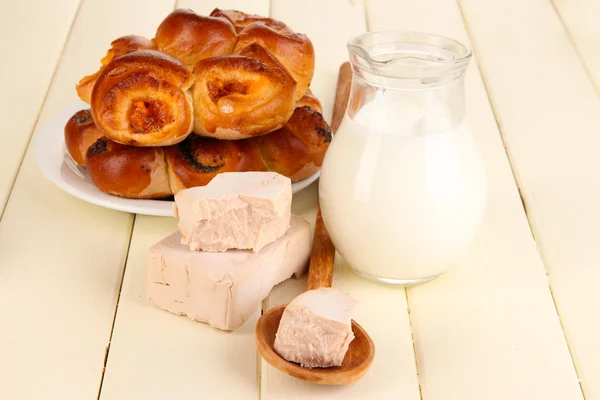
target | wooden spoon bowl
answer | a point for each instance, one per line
(357, 361)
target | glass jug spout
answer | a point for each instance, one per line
(412, 81)
(407, 59)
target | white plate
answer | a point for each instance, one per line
(56, 164)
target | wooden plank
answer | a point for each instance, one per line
(109, 20)
(580, 18)
(204, 7)
(550, 113)
(28, 64)
(330, 24)
(62, 259)
(488, 328)
(158, 355)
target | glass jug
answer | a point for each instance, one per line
(403, 187)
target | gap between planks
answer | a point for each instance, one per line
(263, 308)
(412, 336)
(574, 44)
(36, 121)
(131, 228)
(366, 12)
(484, 79)
(112, 327)
(565, 335)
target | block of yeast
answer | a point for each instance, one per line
(316, 328)
(223, 289)
(236, 210)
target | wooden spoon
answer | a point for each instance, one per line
(361, 351)
(360, 354)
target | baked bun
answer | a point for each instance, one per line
(191, 37)
(119, 47)
(142, 99)
(241, 20)
(127, 171)
(196, 160)
(294, 50)
(80, 134)
(310, 100)
(296, 150)
(243, 95)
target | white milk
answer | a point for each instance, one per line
(398, 203)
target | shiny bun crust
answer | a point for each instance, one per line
(80, 134)
(191, 37)
(297, 150)
(119, 47)
(294, 50)
(227, 92)
(196, 160)
(241, 20)
(310, 100)
(142, 99)
(243, 95)
(127, 171)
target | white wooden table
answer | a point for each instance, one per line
(516, 319)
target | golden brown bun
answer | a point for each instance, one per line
(119, 47)
(243, 95)
(142, 99)
(196, 160)
(294, 50)
(127, 171)
(192, 37)
(297, 150)
(241, 20)
(80, 134)
(310, 100)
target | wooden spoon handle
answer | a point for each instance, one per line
(342, 94)
(320, 270)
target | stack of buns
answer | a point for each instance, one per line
(227, 92)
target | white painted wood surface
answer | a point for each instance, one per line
(580, 18)
(33, 37)
(495, 307)
(488, 329)
(158, 355)
(62, 259)
(550, 116)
